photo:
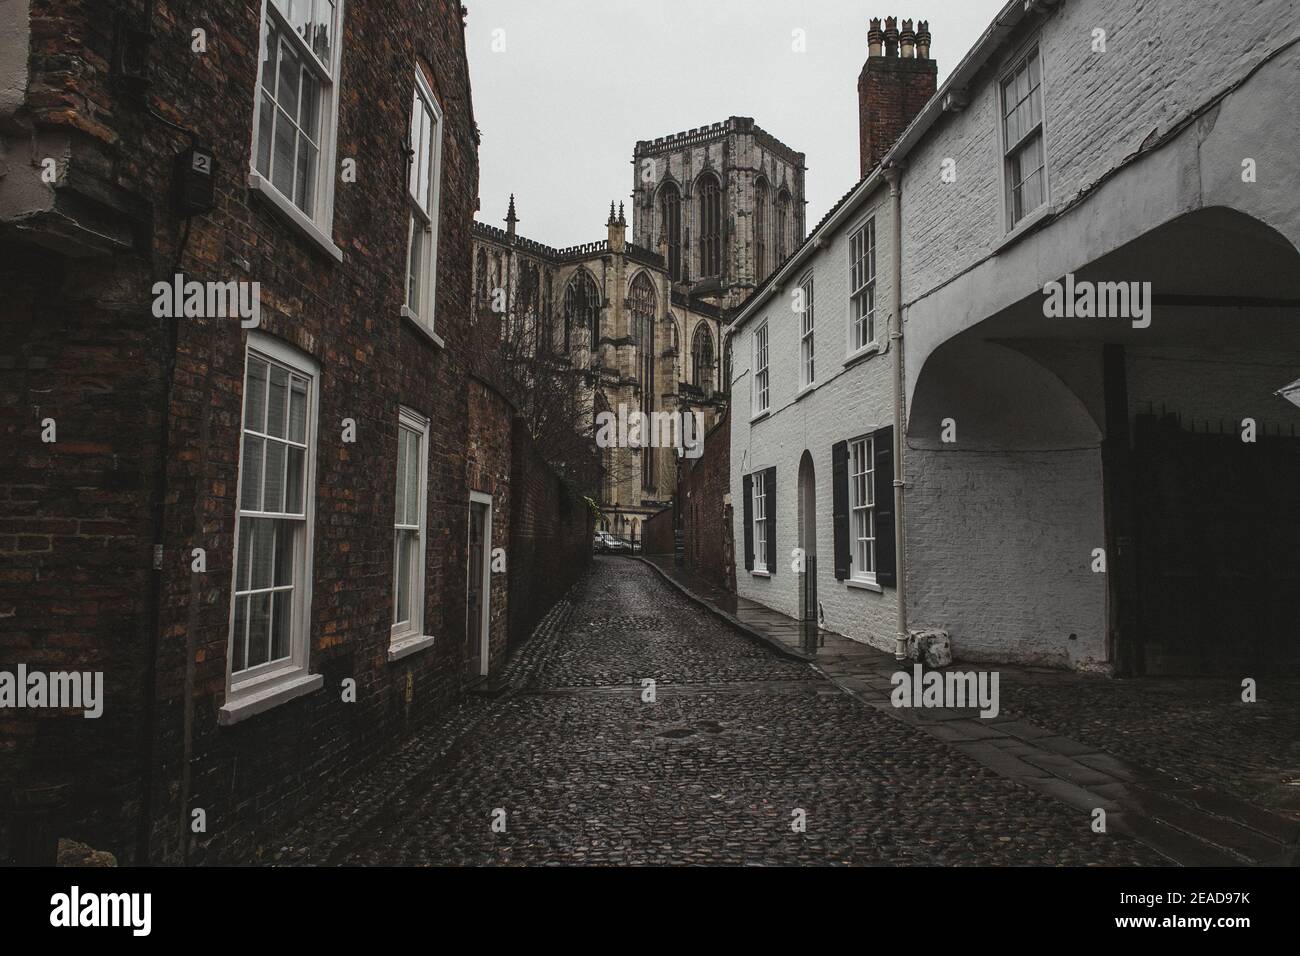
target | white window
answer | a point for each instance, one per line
(862, 503)
(862, 286)
(760, 521)
(409, 524)
(270, 620)
(807, 369)
(760, 369)
(1022, 138)
(297, 107)
(425, 147)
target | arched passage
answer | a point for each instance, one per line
(1094, 475)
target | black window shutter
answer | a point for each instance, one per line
(883, 439)
(769, 488)
(747, 485)
(840, 509)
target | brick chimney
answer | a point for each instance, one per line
(896, 81)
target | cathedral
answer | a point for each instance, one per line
(714, 211)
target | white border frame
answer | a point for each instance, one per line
(1007, 70)
(414, 628)
(867, 348)
(426, 318)
(859, 578)
(485, 622)
(319, 227)
(291, 678)
(808, 282)
(757, 477)
(755, 412)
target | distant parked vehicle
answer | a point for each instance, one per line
(606, 543)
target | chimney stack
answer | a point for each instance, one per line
(892, 88)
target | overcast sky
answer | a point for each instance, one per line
(580, 81)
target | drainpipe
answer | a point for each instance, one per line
(893, 173)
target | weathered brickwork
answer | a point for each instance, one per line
(893, 86)
(489, 461)
(658, 533)
(80, 331)
(704, 497)
(1161, 63)
(551, 528)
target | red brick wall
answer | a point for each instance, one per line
(551, 528)
(657, 533)
(891, 91)
(78, 343)
(488, 466)
(706, 517)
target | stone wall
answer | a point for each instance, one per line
(704, 497)
(551, 529)
(658, 534)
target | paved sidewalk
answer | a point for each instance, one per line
(1178, 816)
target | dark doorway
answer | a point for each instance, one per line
(1217, 524)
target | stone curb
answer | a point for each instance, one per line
(780, 647)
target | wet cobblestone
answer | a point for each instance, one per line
(737, 740)
(1198, 730)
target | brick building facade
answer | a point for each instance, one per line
(704, 503)
(258, 531)
(1083, 489)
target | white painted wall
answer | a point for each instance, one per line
(847, 402)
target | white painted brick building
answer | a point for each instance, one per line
(1112, 493)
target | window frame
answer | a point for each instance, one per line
(807, 334)
(759, 495)
(866, 232)
(318, 224)
(781, 228)
(702, 372)
(413, 628)
(670, 211)
(1010, 152)
(270, 675)
(710, 226)
(761, 400)
(429, 220)
(858, 570)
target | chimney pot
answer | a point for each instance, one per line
(875, 37)
(892, 92)
(923, 40)
(891, 36)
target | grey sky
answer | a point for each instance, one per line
(580, 81)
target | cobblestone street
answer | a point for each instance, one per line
(711, 772)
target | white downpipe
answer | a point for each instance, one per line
(893, 173)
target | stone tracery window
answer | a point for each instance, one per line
(581, 311)
(702, 359)
(782, 227)
(642, 302)
(670, 204)
(710, 191)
